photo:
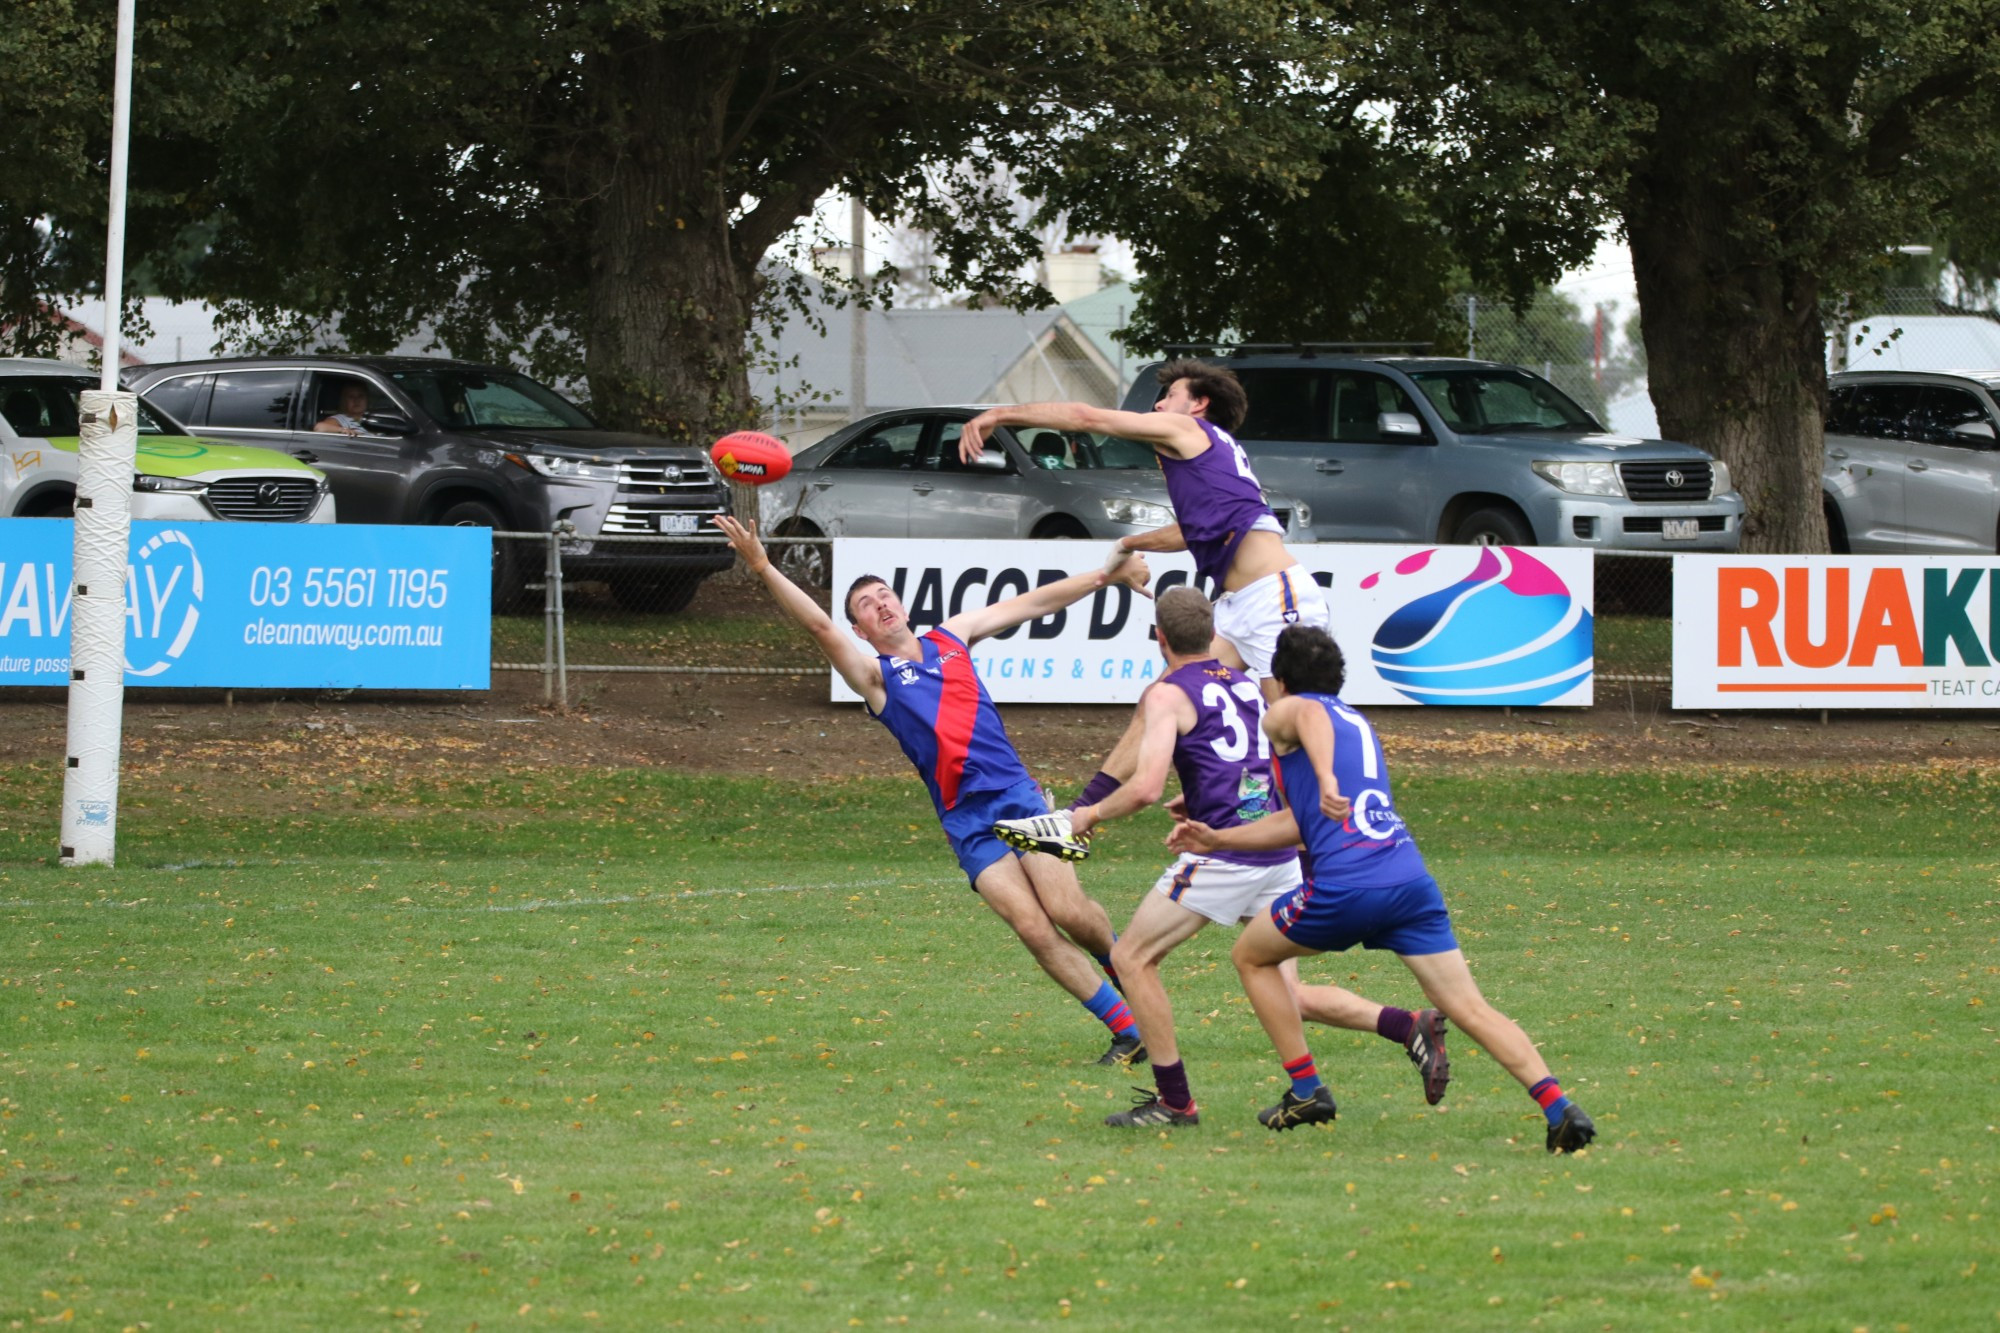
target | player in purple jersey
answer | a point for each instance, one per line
(1202, 718)
(1365, 884)
(1220, 519)
(924, 690)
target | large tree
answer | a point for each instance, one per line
(1762, 158)
(595, 186)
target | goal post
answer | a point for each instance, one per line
(107, 443)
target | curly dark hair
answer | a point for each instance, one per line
(1227, 403)
(1308, 661)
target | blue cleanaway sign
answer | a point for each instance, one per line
(254, 605)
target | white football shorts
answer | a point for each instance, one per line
(1252, 617)
(1224, 891)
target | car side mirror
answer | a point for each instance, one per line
(1399, 423)
(1975, 430)
(388, 423)
(991, 460)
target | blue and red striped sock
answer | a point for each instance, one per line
(1110, 1009)
(1305, 1078)
(1548, 1094)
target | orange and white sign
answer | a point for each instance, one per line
(1835, 631)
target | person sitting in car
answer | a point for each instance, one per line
(353, 406)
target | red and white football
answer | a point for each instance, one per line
(751, 457)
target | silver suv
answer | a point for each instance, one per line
(1441, 449)
(1913, 462)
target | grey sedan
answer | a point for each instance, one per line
(897, 474)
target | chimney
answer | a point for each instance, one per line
(1073, 271)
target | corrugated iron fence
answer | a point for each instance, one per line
(556, 623)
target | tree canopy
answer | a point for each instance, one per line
(592, 187)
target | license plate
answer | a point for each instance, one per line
(1680, 529)
(679, 525)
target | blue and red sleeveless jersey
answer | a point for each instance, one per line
(1372, 849)
(946, 723)
(1216, 499)
(1223, 761)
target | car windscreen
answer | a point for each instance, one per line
(465, 397)
(1113, 452)
(1491, 399)
(45, 407)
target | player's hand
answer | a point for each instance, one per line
(1191, 835)
(1130, 570)
(972, 437)
(1334, 806)
(1177, 807)
(744, 540)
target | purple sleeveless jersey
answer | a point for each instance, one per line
(1223, 760)
(1216, 498)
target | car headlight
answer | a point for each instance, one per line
(157, 485)
(1138, 513)
(1581, 478)
(571, 469)
(1724, 483)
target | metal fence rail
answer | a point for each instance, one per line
(612, 606)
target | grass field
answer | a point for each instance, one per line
(625, 1049)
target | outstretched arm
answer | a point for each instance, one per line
(855, 666)
(1168, 714)
(1163, 430)
(1274, 831)
(985, 621)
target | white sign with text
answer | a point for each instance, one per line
(1439, 625)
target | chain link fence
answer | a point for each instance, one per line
(584, 613)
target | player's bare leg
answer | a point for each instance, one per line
(1260, 954)
(1332, 1006)
(1006, 888)
(1448, 981)
(1075, 913)
(1157, 929)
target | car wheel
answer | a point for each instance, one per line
(807, 566)
(1060, 527)
(509, 580)
(1836, 527)
(665, 596)
(1493, 527)
(60, 504)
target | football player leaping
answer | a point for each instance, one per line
(924, 690)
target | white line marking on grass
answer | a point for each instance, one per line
(663, 896)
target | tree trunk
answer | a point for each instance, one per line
(669, 303)
(1736, 353)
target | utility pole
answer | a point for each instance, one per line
(857, 369)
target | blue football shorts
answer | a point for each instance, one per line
(969, 824)
(1408, 918)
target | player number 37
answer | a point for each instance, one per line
(1239, 728)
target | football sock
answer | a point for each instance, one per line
(1395, 1024)
(1110, 1010)
(1104, 961)
(1095, 790)
(1171, 1080)
(1548, 1094)
(1305, 1078)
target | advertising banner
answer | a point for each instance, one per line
(1464, 625)
(254, 605)
(1834, 631)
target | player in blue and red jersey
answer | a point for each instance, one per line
(1221, 520)
(924, 690)
(1202, 718)
(1365, 883)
